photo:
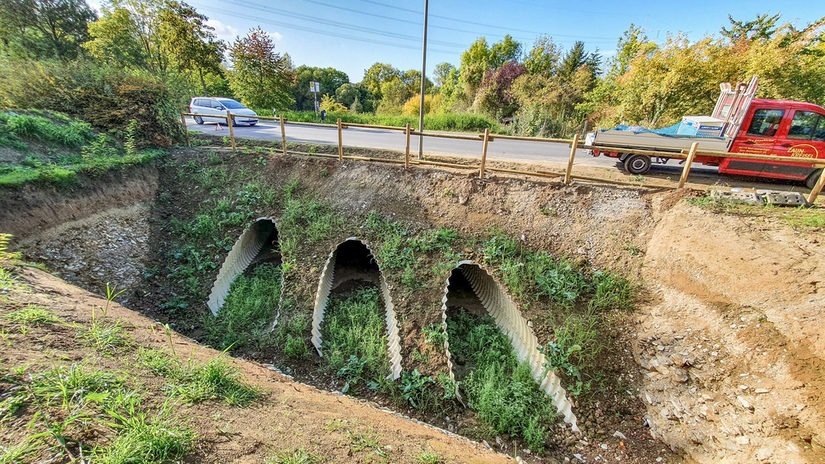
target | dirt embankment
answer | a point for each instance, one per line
(288, 416)
(733, 343)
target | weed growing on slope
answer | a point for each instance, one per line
(67, 385)
(216, 379)
(354, 338)
(298, 456)
(499, 388)
(33, 315)
(104, 334)
(247, 311)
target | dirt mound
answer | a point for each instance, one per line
(288, 416)
(733, 344)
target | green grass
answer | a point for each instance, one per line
(437, 122)
(250, 306)
(32, 314)
(298, 456)
(105, 335)
(499, 388)
(143, 437)
(354, 338)
(73, 384)
(69, 147)
(216, 379)
(430, 457)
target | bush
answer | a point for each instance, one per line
(106, 97)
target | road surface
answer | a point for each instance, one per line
(499, 150)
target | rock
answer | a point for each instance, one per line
(745, 404)
(578, 456)
(619, 435)
(742, 440)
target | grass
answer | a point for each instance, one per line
(64, 148)
(436, 122)
(298, 456)
(216, 379)
(354, 338)
(800, 218)
(430, 457)
(247, 311)
(32, 314)
(499, 388)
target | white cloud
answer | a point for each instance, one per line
(223, 31)
(277, 35)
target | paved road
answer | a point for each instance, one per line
(503, 150)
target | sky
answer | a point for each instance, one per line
(351, 35)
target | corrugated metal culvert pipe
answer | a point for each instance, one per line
(348, 262)
(258, 243)
(510, 321)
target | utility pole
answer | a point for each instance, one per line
(423, 80)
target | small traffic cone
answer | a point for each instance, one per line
(218, 127)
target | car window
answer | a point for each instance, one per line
(197, 102)
(765, 122)
(232, 104)
(807, 125)
(214, 104)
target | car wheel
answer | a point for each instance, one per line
(252, 124)
(637, 164)
(234, 123)
(813, 178)
(198, 120)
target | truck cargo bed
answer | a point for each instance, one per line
(653, 141)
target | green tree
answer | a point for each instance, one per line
(377, 75)
(576, 58)
(330, 80)
(126, 35)
(44, 28)
(507, 50)
(475, 61)
(188, 42)
(544, 57)
(763, 28)
(442, 73)
(393, 95)
(260, 76)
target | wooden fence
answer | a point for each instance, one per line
(687, 155)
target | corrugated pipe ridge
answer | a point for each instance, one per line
(322, 298)
(246, 248)
(508, 318)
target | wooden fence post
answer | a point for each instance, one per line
(484, 153)
(568, 174)
(283, 135)
(817, 188)
(407, 153)
(231, 128)
(185, 129)
(340, 142)
(688, 162)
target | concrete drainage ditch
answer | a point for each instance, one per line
(352, 260)
(509, 320)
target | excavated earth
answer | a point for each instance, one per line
(723, 359)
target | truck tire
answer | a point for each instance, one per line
(812, 178)
(637, 164)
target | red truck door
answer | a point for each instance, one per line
(804, 137)
(757, 137)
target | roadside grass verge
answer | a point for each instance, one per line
(799, 218)
(499, 388)
(441, 122)
(243, 320)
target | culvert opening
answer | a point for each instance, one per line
(493, 354)
(353, 324)
(247, 292)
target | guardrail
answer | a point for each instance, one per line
(485, 138)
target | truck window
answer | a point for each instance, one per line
(807, 125)
(765, 122)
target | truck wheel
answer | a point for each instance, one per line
(637, 164)
(812, 178)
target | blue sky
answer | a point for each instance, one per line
(351, 35)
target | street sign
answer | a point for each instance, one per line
(314, 86)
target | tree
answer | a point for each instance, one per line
(393, 95)
(126, 35)
(44, 28)
(330, 80)
(412, 82)
(505, 51)
(543, 58)
(494, 96)
(260, 76)
(377, 75)
(188, 41)
(442, 73)
(346, 94)
(761, 28)
(475, 61)
(576, 58)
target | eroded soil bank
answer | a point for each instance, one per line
(722, 359)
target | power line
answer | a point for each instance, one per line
(328, 33)
(338, 24)
(474, 23)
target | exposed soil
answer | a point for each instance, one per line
(289, 415)
(729, 302)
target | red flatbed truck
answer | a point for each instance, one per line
(739, 124)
